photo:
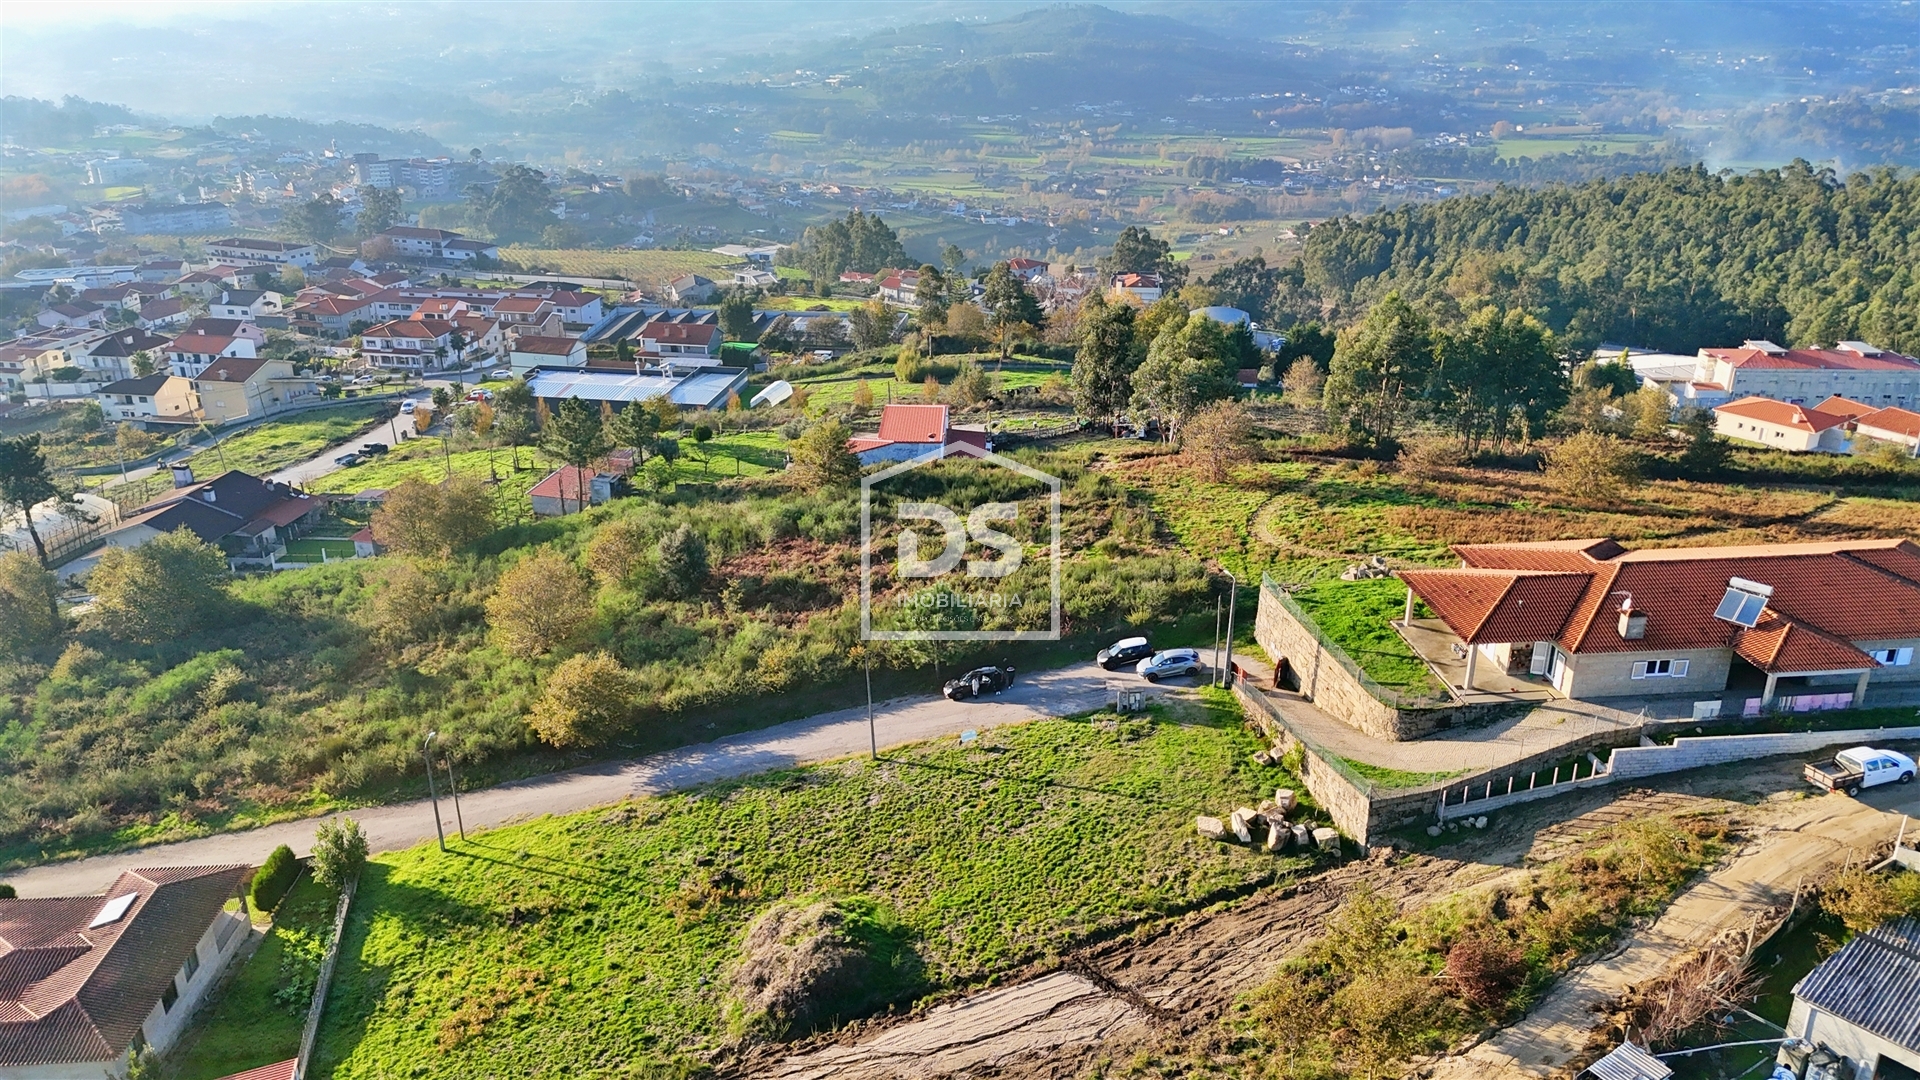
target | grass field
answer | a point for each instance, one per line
(1356, 616)
(311, 549)
(277, 444)
(1521, 146)
(645, 267)
(613, 933)
(248, 1026)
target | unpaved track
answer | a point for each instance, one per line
(1111, 998)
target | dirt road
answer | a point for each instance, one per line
(817, 738)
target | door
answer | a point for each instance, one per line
(1542, 658)
(1558, 671)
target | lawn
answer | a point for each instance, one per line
(422, 459)
(613, 933)
(1356, 615)
(311, 549)
(277, 444)
(258, 1020)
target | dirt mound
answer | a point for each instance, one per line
(805, 965)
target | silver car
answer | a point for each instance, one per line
(1169, 663)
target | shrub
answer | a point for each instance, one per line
(682, 561)
(1863, 899)
(1428, 456)
(540, 603)
(273, 879)
(589, 697)
(7, 891)
(1592, 466)
(339, 853)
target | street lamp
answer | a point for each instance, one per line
(453, 785)
(426, 754)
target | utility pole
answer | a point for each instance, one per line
(1233, 597)
(873, 737)
(453, 785)
(426, 754)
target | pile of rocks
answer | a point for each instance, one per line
(1267, 825)
(1375, 567)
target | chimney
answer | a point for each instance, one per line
(208, 495)
(182, 476)
(1633, 624)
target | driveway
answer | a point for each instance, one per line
(818, 738)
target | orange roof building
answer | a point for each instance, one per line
(1607, 621)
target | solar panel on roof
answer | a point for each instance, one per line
(113, 910)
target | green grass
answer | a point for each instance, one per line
(1547, 146)
(309, 549)
(276, 444)
(1356, 615)
(246, 1027)
(610, 934)
(1396, 779)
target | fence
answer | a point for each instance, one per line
(69, 536)
(311, 1033)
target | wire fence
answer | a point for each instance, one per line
(1386, 695)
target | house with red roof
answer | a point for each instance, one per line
(680, 342)
(193, 352)
(1779, 425)
(1593, 619)
(1027, 269)
(86, 981)
(569, 490)
(412, 345)
(911, 431)
(1893, 425)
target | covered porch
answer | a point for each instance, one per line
(1476, 675)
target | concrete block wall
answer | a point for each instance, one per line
(1696, 752)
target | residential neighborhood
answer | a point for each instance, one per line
(895, 542)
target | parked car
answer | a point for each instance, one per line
(1126, 652)
(1172, 662)
(345, 460)
(363, 380)
(986, 680)
(407, 407)
(500, 373)
(1860, 767)
(480, 395)
(373, 449)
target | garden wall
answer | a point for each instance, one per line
(1345, 801)
(1696, 752)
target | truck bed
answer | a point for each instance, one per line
(1832, 774)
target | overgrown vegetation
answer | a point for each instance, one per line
(1382, 987)
(655, 934)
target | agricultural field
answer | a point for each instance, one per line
(641, 267)
(1546, 146)
(617, 933)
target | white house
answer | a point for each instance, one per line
(530, 351)
(413, 345)
(247, 305)
(1893, 425)
(241, 251)
(190, 354)
(90, 978)
(1781, 426)
(687, 343)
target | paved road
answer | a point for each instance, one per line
(818, 738)
(388, 432)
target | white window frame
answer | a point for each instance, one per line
(1661, 669)
(1893, 657)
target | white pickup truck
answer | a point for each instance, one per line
(1860, 767)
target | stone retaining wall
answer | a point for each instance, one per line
(1349, 807)
(1326, 682)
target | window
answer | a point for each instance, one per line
(1893, 657)
(169, 996)
(1660, 669)
(192, 965)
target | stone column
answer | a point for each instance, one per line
(1860, 689)
(1766, 696)
(1473, 653)
(1407, 619)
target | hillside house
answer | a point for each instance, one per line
(242, 251)
(1143, 288)
(1894, 425)
(1851, 369)
(900, 287)
(86, 980)
(691, 289)
(411, 345)
(570, 489)
(245, 516)
(158, 396)
(681, 343)
(529, 351)
(229, 390)
(192, 353)
(1779, 425)
(1592, 619)
(164, 313)
(911, 431)
(246, 305)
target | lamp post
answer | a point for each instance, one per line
(1233, 597)
(426, 754)
(873, 739)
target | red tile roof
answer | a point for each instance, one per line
(1845, 407)
(1865, 590)
(680, 333)
(1813, 360)
(914, 424)
(203, 344)
(1500, 605)
(1898, 421)
(282, 1070)
(1779, 646)
(230, 369)
(73, 993)
(570, 482)
(1768, 411)
(546, 346)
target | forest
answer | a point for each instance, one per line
(1676, 260)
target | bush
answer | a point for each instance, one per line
(540, 603)
(339, 853)
(588, 698)
(682, 561)
(1592, 466)
(7, 892)
(273, 879)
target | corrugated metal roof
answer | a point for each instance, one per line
(1873, 982)
(1628, 1062)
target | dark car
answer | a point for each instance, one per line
(345, 460)
(1124, 653)
(374, 448)
(986, 680)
